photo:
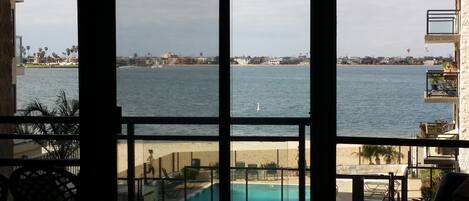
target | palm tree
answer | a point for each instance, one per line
(390, 154)
(45, 51)
(370, 152)
(375, 152)
(57, 149)
(68, 51)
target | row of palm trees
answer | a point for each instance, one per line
(42, 56)
(376, 152)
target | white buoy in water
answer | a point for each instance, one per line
(258, 107)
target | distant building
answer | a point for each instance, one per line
(242, 61)
(275, 61)
(169, 58)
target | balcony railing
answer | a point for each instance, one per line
(441, 84)
(440, 130)
(437, 129)
(443, 22)
(131, 137)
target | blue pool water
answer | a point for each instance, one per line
(256, 192)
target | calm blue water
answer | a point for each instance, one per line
(372, 101)
(256, 192)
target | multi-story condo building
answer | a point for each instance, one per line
(451, 83)
(442, 86)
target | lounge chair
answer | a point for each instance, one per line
(379, 190)
(170, 185)
(253, 172)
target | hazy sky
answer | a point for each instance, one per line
(259, 27)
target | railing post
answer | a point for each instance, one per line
(281, 184)
(185, 183)
(417, 161)
(139, 190)
(159, 167)
(359, 155)
(404, 188)
(357, 186)
(162, 189)
(177, 156)
(278, 158)
(131, 163)
(409, 157)
(211, 183)
(246, 178)
(235, 160)
(144, 173)
(302, 163)
(173, 159)
(391, 187)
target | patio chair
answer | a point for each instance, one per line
(253, 172)
(239, 171)
(453, 186)
(3, 188)
(43, 184)
(170, 185)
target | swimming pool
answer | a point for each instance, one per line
(256, 192)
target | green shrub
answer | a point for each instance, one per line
(191, 173)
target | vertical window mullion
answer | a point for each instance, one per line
(323, 99)
(224, 99)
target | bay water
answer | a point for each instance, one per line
(378, 101)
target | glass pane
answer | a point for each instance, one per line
(49, 57)
(265, 171)
(172, 170)
(392, 83)
(408, 169)
(167, 56)
(41, 79)
(270, 59)
(263, 130)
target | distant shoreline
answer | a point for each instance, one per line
(382, 65)
(49, 66)
(215, 65)
(236, 65)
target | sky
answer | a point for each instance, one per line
(259, 27)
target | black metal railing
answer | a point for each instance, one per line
(443, 21)
(441, 84)
(395, 186)
(413, 172)
(131, 137)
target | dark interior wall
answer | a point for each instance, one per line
(6, 75)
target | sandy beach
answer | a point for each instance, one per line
(249, 152)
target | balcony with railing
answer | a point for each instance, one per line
(439, 130)
(442, 86)
(442, 26)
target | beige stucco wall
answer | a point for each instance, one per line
(464, 85)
